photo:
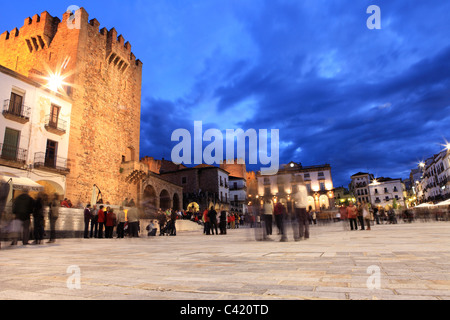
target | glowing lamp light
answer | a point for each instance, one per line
(55, 82)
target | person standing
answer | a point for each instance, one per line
(223, 222)
(38, 217)
(212, 215)
(53, 215)
(94, 222)
(344, 216)
(302, 216)
(121, 224)
(268, 211)
(367, 215)
(173, 222)
(162, 219)
(359, 215)
(133, 221)
(110, 223)
(352, 214)
(281, 214)
(206, 228)
(87, 220)
(22, 209)
(101, 222)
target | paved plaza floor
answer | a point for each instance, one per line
(392, 262)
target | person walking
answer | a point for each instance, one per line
(206, 228)
(281, 214)
(352, 214)
(344, 216)
(87, 220)
(121, 223)
(53, 215)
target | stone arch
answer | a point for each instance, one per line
(193, 207)
(51, 187)
(150, 200)
(176, 205)
(311, 203)
(165, 201)
(324, 202)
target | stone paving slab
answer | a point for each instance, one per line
(413, 262)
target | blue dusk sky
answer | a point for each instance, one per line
(340, 93)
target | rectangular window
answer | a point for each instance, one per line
(15, 104)
(10, 144)
(51, 153)
(54, 116)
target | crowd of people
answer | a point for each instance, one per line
(16, 225)
(100, 222)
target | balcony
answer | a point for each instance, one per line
(12, 156)
(55, 125)
(15, 112)
(56, 164)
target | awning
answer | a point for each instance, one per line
(22, 184)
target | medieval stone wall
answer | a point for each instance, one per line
(105, 88)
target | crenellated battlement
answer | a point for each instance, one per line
(39, 31)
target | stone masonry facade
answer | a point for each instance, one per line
(105, 88)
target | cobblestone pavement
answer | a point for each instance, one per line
(399, 262)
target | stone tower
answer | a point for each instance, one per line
(104, 83)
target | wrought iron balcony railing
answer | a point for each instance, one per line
(55, 125)
(13, 154)
(53, 163)
(14, 111)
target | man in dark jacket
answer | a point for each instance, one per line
(87, 220)
(212, 215)
(38, 217)
(22, 209)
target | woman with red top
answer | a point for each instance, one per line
(101, 222)
(351, 214)
(110, 223)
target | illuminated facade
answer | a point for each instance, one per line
(282, 186)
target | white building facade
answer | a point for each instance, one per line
(34, 133)
(387, 192)
(283, 185)
(238, 194)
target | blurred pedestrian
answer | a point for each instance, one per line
(133, 221)
(301, 215)
(268, 212)
(352, 214)
(281, 214)
(22, 209)
(53, 215)
(162, 219)
(110, 223)
(94, 222)
(359, 215)
(87, 220)
(206, 224)
(223, 222)
(121, 223)
(212, 215)
(38, 217)
(344, 216)
(101, 221)
(367, 215)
